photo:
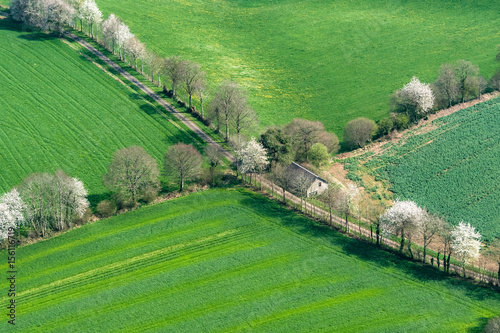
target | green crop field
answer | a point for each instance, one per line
(231, 261)
(452, 169)
(322, 60)
(59, 111)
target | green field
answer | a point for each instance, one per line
(59, 111)
(323, 60)
(452, 169)
(231, 261)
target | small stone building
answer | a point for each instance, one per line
(316, 184)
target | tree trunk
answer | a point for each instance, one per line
(182, 183)
(227, 129)
(159, 80)
(135, 61)
(201, 102)
(402, 243)
(190, 100)
(425, 251)
(173, 88)
(377, 231)
(448, 264)
(284, 201)
(142, 67)
(81, 25)
(113, 47)
(498, 270)
(346, 223)
(438, 261)
(330, 215)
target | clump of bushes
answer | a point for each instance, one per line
(106, 208)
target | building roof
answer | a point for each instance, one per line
(294, 166)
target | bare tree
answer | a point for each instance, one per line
(428, 226)
(304, 134)
(133, 175)
(157, 69)
(193, 79)
(359, 131)
(214, 156)
(228, 100)
(183, 162)
(347, 203)
(300, 184)
(244, 118)
(447, 84)
(175, 68)
(494, 253)
(282, 176)
(329, 197)
(464, 70)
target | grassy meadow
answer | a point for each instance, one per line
(450, 167)
(231, 261)
(60, 111)
(322, 60)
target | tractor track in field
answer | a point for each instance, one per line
(265, 183)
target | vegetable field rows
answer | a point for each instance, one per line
(226, 261)
(452, 170)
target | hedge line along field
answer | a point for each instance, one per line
(231, 261)
(450, 167)
(322, 60)
(60, 111)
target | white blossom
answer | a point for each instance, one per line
(122, 35)
(253, 157)
(90, 13)
(402, 218)
(12, 212)
(419, 94)
(466, 243)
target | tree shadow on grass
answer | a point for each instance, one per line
(9, 24)
(368, 252)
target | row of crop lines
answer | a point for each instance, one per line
(92, 252)
(120, 230)
(459, 170)
(62, 112)
(270, 267)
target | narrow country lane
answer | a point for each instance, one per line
(265, 183)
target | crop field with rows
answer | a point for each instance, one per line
(60, 111)
(322, 60)
(231, 261)
(452, 169)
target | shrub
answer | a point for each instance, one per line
(106, 208)
(385, 126)
(401, 121)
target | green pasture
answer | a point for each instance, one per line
(231, 261)
(453, 169)
(60, 111)
(322, 60)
